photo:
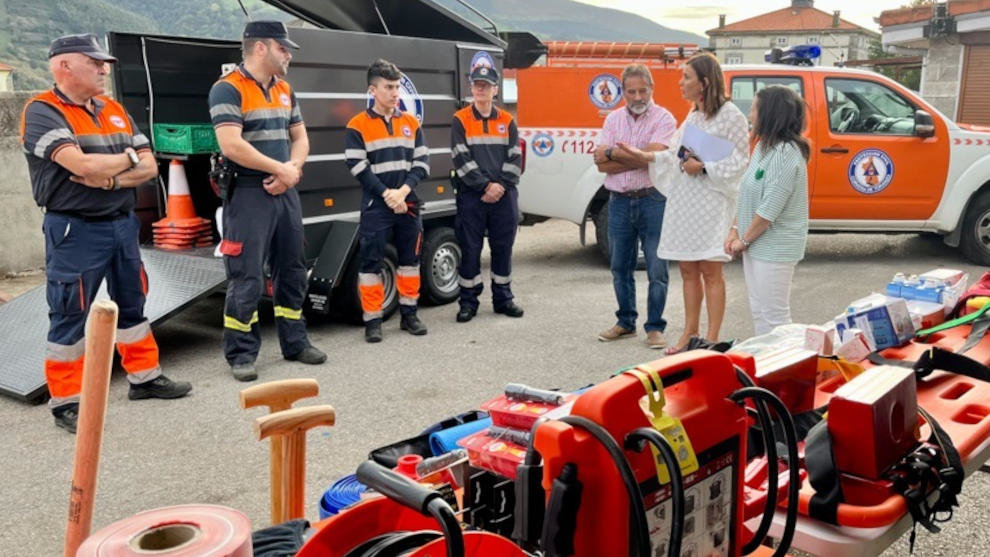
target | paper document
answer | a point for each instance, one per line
(706, 146)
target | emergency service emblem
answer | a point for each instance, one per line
(871, 171)
(407, 131)
(501, 128)
(482, 58)
(542, 144)
(117, 121)
(284, 99)
(605, 91)
(409, 99)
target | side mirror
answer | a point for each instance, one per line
(924, 126)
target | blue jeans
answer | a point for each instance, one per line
(633, 221)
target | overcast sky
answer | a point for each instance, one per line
(703, 15)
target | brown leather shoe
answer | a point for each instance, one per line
(615, 333)
(656, 340)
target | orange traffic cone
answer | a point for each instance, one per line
(181, 228)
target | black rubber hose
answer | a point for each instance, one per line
(770, 446)
(441, 511)
(635, 441)
(637, 511)
(790, 434)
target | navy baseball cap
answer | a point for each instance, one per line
(269, 30)
(85, 43)
(484, 73)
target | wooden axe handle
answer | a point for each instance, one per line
(279, 395)
(293, 420)
(101, 331)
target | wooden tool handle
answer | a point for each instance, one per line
(291, 421)
(279, 395)
(101, 332)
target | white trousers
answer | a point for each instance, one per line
(769, 287)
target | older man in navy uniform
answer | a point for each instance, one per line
(85, 157)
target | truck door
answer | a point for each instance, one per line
(745, 87)
(871, 164)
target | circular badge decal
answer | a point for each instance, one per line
(482, 58)
(501, 128)
(117, 121)
(407, 131)
(871, 171)
(284, 99)
(542, 144)
(409, 99)
(605, 91)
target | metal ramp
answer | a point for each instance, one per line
(175, 280)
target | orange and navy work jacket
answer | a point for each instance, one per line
(51, 122)
(386, 153)
(485, 149)
(264, 113)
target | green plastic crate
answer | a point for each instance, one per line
(185, 139)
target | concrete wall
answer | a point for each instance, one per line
(22, 246)
(940, 76)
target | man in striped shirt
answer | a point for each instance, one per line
(485, 147)
(260, 129)
(385, 151)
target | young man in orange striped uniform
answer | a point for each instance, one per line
(85, 157)
(485, 147)
(260, 129)
(386, 152)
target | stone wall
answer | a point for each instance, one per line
(940, 79)
(22, 246)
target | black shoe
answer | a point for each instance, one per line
(466, 314)
(510, 309)
(244, 371)
(159, 387)
(373, 331)
(310, 355)
(412, 324)
(67, 416)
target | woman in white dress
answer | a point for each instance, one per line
(701, 197)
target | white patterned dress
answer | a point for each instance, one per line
(700, 209)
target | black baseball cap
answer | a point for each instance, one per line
(269, 30)
(484, 73)
(85, 43)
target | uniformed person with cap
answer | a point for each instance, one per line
(85, 157)
(485, 147)
(260, 129)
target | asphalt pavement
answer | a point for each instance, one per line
(202, 449)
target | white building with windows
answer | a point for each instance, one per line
(747, 41)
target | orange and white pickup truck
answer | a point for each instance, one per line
(883, 159)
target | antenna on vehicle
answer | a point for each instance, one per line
(243, 9)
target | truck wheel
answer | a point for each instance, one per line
(347, 300)
(601, 232)
(440, 263)
(975, 239)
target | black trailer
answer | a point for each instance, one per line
(167, 80)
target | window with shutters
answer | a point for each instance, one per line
(974, 103)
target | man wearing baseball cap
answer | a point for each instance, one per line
(85, 156)
(485, 147)
(260, 129)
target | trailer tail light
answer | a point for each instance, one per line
(522, 147)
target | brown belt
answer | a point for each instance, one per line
(634, 194)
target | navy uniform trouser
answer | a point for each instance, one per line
(259, 227)
(499, 220)
(79, 254)
(378, 225)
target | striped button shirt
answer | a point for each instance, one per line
(656, 125)
(775, 187)
(386, 153)
(265, 114)
(52, 122)
(485, 149)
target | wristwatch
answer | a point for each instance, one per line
(112, 184)
(133, 156)
(608, 153)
